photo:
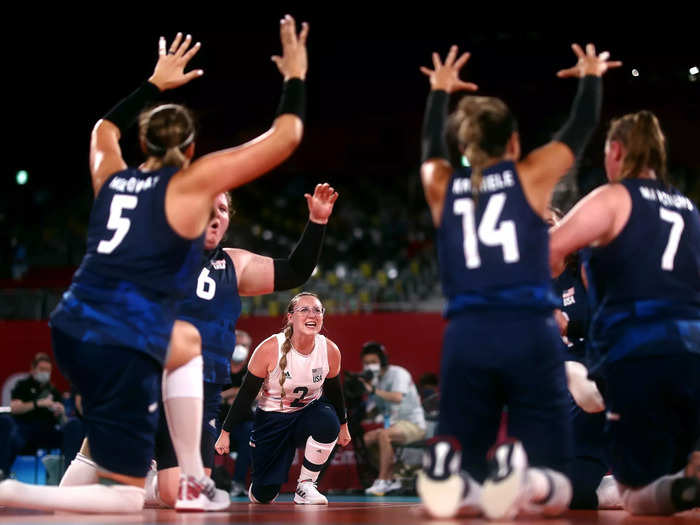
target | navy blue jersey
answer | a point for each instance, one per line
(214, 306)
(493, 249)
(647, 280)
(135, 270)
(574, 303)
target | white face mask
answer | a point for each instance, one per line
(240, 354)
(374, 367)
(41, 377)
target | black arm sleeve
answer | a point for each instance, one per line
(585, 114)
(433, 143)
(296, 269)
(293, 98)
(126, 111)
(333, 390)
(241, 405)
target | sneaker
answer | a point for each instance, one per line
(504, 489)
(252, 498)
(440, 486)
(376, 489)
(237, 489)
(392, 485)
(307, 494)
(200, 495)
(152, 498)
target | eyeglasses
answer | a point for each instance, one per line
(305, 310)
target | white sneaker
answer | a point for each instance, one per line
(200, 495)
(440, 486)
(237, 489)
(377, 488)
(152, 499)
(505, 489)
(392, 485)
(307, 494)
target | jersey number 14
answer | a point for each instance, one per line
(490, 232)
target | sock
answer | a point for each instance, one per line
(182, 399)
(549, 492)
(81, 471)
(608, 494)
(315, 456)
(471, 504)
(98, 499)
(652, 499)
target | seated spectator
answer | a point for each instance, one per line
(37, 412)
(397, 398)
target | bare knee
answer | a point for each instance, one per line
(185, 345)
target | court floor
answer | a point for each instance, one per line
(341, 510)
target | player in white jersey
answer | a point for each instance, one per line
(295, 368)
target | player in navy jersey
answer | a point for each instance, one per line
(294, 368)
(644, 343)
(214, 305)
(493, 254)
(115, 330)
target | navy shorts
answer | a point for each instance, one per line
(165, 452)
(276, 436)
(120, 388)
(653, 412)
(497, 358)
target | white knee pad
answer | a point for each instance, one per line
(185, 381)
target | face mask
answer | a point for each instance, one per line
(240, 353)
(42, 377)
(374, 367)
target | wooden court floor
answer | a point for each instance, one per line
(341, 510)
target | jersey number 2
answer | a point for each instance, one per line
(116, 222)
(504, 236)
(298, 401)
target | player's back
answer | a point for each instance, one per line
(135, 267)
(493, 247)
(648, 277)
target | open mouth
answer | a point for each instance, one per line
(310, 324)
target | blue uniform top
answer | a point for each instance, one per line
(493, 250)
(647, 280)
(214, 306)
(574, 303)
(135, 269)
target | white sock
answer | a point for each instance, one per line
(471, 504)
(98, 499)
(81, 471)
(608, 494)
(183, 397)
(549, 492)
(315, 456)
(652, 499)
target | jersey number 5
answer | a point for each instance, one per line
(116, 222)
(504, 236)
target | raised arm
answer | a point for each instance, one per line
(542, 169)
(105, 153)
(194, 188)
(435, 166)
(258, 274)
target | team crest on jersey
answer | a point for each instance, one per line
(317, 374)
(219, 265)
(568, 296)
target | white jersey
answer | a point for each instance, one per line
(304, 377)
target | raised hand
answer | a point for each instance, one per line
(589, 63)
(446, 76)
(293, 63)
(169, 72)
(321, 203)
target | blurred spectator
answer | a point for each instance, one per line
(37, 412)
(240, 434)
(395, 393)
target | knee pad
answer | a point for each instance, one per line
(325, 427)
